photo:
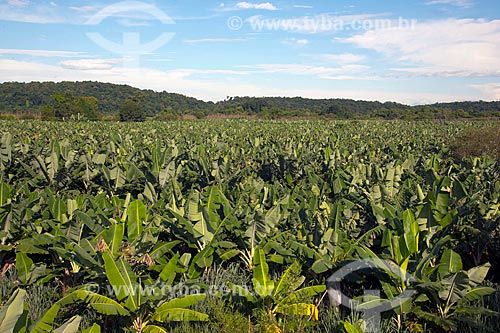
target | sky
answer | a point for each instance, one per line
(411, 51)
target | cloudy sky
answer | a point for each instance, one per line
(412, 51)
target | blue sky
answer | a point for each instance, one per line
(412, 51)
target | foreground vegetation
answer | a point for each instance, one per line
(104, 226)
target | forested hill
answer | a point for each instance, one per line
(317, 106)
(108, 99)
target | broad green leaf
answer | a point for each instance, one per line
(203, 259)
(71, 326)
(478, 274)
(72, 207)
(11, 312)
(162, 248)
(23, 266)
(262, 283)
(201, 227)
(182, 302)
(321, 265)
(114, 236)
(93, 329)
(350, 328)
(371, 304)
(169, 272)
(101, 304)
(456, 286)
(58, 210)
(136, 216)
(450, 263)
(150, 193)
(46, 323)
(304, 293)
(122, 279)
(441, 322)
(4, 194)
(285, 278)
(154, 329)
(229, 254)
(175, 310)
(411, 231)
(476, 293)
(177, 314)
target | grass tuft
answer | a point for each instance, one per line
(476, 143)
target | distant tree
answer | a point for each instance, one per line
(339, 110)
(64, 105)
(68, 106)
(167, 115)
(48, 113)
(89, 107)
(254, 105)
(131, 111)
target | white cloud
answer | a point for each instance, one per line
(18, 3)
(352, 77)
(490, 91)
(295, 42)
(303, 6)
(84, 9)
(28, 18)
(127, 22)
(215, 40)
(249, 5)
(343, 58)
(191, 72)
(41, 53)
(452, 47)
(160, 60)
(24, 11)
(458, 3)
(300, 69)
(90, 64)
(134, 10)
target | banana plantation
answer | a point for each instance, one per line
(239, 225)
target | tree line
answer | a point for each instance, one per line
(95, 100)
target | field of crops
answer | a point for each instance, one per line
(236, 225)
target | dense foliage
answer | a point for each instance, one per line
(31, 97)
(268, 210)
(52, 99)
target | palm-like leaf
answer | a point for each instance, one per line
(123, 280)
(175, 310)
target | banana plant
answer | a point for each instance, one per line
(261, 227)
(445, 301)
(440, 292)
(408, 256)
(14, 317)
(142, 305)
(205, 226)
(281, 296)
